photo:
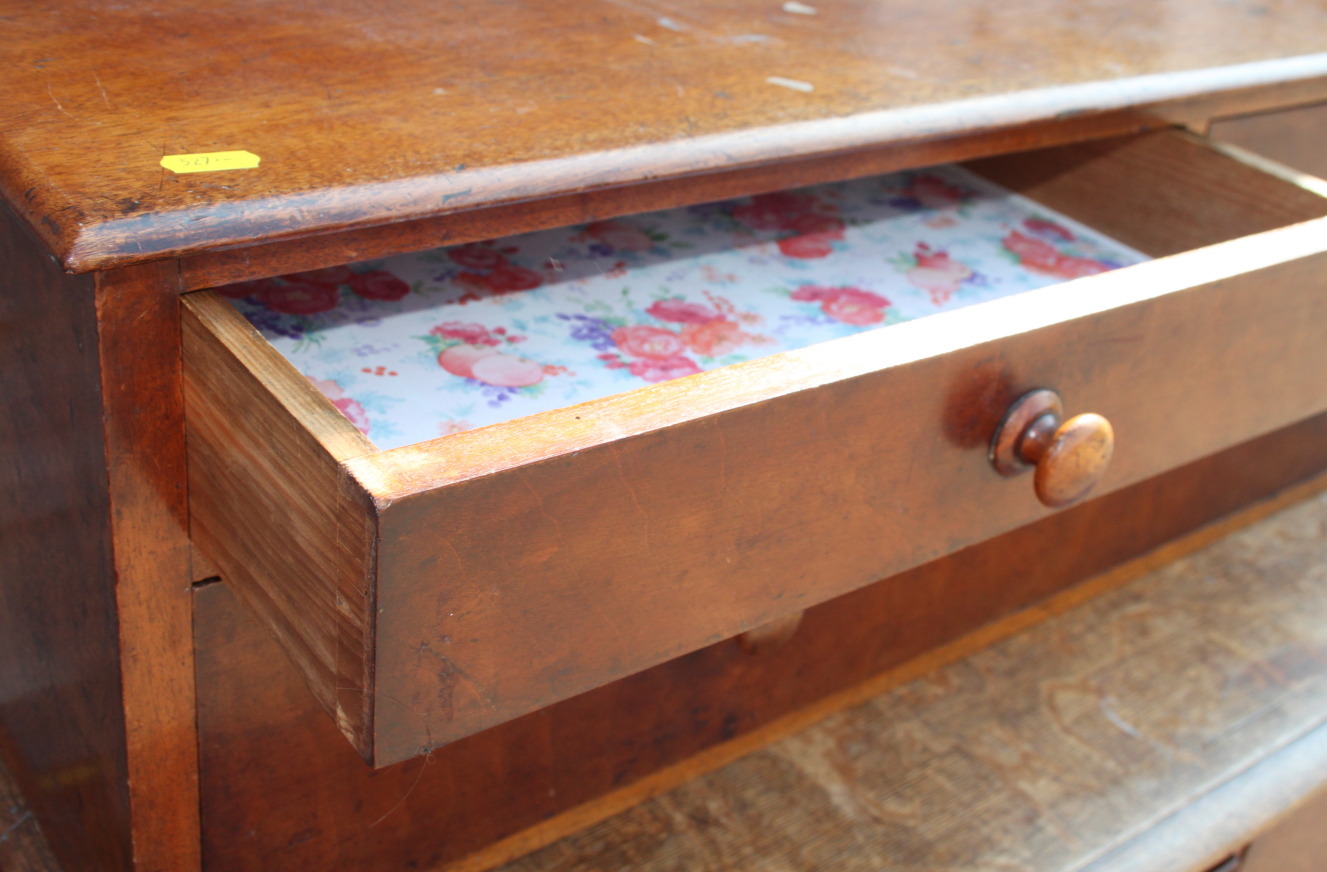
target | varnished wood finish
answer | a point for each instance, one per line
(1074, 460)
(279, 780)
(1294, 137)
(268, 501)
(499, 588)
(460, 107)
(1045, 752)
(61, 729)
(138, 341)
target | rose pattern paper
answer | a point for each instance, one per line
(424, 345)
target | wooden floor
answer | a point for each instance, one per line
(1068, 746)
(1141, 729)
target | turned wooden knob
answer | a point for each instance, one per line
(1070, 456)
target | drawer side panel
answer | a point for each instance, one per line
(271, 506)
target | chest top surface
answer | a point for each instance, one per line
(372, 113)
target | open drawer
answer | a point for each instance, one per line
(432, 590)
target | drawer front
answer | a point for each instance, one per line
(431, 591)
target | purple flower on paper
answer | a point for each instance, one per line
(267, 321)
(593, 331)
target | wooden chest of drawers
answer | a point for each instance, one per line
(380, 134)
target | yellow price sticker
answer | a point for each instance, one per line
(211, 162)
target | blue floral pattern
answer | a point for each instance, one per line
(423, 345)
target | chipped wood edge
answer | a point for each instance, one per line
(718, 756)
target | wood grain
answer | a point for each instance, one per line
(693, 480)
(1042, 753)
(279, 780)
(460, 107)
(61, 723)
(271, 509)
(695, 485)
(138, 342)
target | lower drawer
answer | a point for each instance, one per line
(278, 780)
(430, 591)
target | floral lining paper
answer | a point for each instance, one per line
(423, 345)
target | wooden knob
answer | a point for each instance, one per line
(1070, 456)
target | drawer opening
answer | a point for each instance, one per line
(424, 345)
(430, 583)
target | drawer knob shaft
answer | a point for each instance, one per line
(1070, 456)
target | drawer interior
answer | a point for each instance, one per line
(424, 345)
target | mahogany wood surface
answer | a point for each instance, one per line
(61, 729)
(138, 332)
(281, 786)
(497, 588)
(362, 118)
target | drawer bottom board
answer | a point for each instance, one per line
(281, 787)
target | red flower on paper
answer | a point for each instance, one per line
(332, 277)
(1040, 256)
(682, 312)
(935, 192)
(848, 305)
(470, 334)
(489, 366)
(475, 256)
(773, 211)
(859, 309)
(714, 338)
(1042, 227)
(937, 273)
(299, 298)
(240, 290)
(378, 285)
(505, 279)
(817, 223)
(658, 369)
(812, 245)
(642, 340)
